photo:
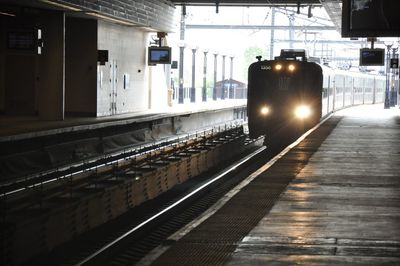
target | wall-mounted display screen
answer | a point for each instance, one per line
(21, 40)
(372, 57)
(159, 55)
(370, 18)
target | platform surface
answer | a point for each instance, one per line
(333, 199)
(20, 127)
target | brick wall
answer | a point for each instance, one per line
(155, 14)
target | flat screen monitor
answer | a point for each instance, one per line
(21, 40)
(372, 57)
(159, 55)
(370, 18)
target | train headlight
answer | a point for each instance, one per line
(278, 67)
(264, 110)
(302, 111)
(291, 67)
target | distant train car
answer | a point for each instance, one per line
(289, 95)
(284, 97)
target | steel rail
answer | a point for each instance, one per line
(172, 206)
(174, 140)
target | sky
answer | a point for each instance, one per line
(234, 42)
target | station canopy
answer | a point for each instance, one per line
(247, 3)
(332, 7)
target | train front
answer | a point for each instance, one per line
(284, 98)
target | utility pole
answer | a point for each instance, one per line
(271, 46)
(387, 92)
(181, 54)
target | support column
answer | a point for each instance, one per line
(181, 54)
(231, 90)
(204, 94)
(393, 90)
(215, 77)
(223, 78)
(193, 89)
(51, 93)
(387, 89)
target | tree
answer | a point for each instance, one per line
(250, 57)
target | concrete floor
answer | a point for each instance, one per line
(333, 199)
(21, 127)
(344, 206)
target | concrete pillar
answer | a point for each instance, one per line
(51, 93)
(393, 89)
(181, 54)
(193, 89)
(204, 94)
(387, 89)
(215, 77)
(223, 77)
(231, 91)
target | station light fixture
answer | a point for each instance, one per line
(181, 44)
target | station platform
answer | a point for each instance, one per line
(331, 198)
(19, 127)
(29, 146)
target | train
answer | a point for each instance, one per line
(290, 94)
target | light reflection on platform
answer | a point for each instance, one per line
(370, 110)
(343, 207)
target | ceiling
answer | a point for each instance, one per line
(332, 7)
(246, 3)
(334, 10)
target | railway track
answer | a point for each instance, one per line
(51, 210)
(55, 182)
(127, 240)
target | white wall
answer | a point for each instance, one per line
(158, 90)
(127, 48)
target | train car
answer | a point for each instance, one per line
(284, 97)
(289, 95)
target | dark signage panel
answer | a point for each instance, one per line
(159, 55)
(394, 63)
(21, 40)
(372, 57)
(370, 18)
